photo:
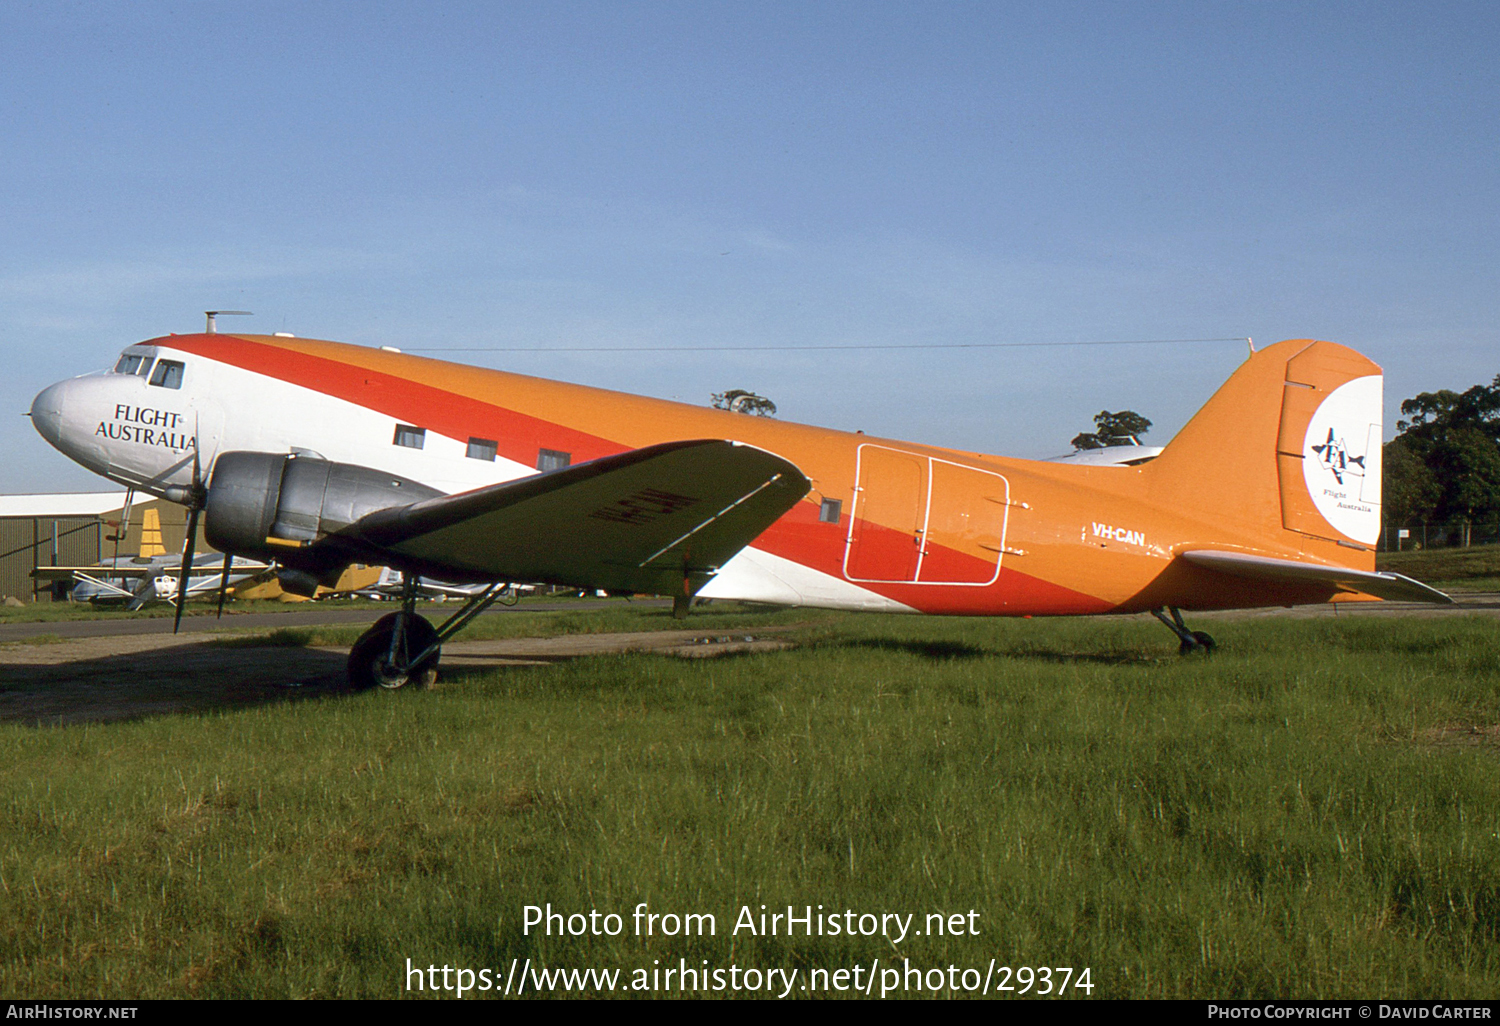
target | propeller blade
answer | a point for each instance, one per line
(197, 467)
(224, 583)
(196, 500)
(187, 565)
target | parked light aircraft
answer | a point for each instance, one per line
(318, 454)
(138, 581)
(392, 584)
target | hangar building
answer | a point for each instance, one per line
(74, 529)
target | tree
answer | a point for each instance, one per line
(1445, 462)
(737, 400)
(1411, 489)
(1111, 426)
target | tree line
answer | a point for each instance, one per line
(1444, 463)
(1443, 466)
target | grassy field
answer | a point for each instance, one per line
(1472, 569)
(519, 622)
(1313, 812)
(46, 612)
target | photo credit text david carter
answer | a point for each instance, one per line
(882, 976)
(1415, 1009)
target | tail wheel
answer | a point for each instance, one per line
(1201, 641)
(370, 663)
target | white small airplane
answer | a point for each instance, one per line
(317, 455)
(391, 584)
(1121, 451)
(139, 581)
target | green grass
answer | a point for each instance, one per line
(47, 612)
(33, 639)
(1314, 812)
(619, 617)
(1471, 569)
(53, 612)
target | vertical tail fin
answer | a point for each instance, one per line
(151, 539)
(1290, 443)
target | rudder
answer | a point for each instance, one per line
(1291, 442)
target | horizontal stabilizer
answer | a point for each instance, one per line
(661, 520)
(1393, 587)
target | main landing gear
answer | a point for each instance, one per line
(1192, 641)
(403, 648)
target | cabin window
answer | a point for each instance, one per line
(410, 437)
(551, 459)
(133, 363)
(168, 374)
(482, 449)
(829, 514)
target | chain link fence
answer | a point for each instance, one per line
(1415, 535)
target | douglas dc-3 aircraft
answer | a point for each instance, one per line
(318, 454)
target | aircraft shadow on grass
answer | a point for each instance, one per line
(186, 679)
(939, 651)
(204, 677)
(950, 651)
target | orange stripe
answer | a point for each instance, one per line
(797, 536)
(457, 416)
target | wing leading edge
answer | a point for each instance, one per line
(1382, 585)
(661, 520)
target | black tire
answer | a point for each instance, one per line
(1201, 641)
(367, 667)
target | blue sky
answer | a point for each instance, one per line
(700, 174)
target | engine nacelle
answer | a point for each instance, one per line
(271, 505)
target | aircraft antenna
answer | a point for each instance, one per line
(815, 348)
(212, 328)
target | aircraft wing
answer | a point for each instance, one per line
(102, 578)
(1390, 586)
(662, 520)
(242, 567)
(67, 573)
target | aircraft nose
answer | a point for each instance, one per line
(46, 412)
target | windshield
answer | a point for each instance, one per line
(134, 363)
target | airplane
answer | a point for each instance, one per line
(1117, 451)
(392, 584)
(151, 575)
(318, 454)
(138, 581)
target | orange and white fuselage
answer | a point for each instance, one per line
(1282, 464)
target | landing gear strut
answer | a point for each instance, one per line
(1192, 641)
(403, 648)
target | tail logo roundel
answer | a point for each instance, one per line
(1341, 458)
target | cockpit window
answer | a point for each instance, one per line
(133, 363)
(168, 374)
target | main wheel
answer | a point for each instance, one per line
(368, 666)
